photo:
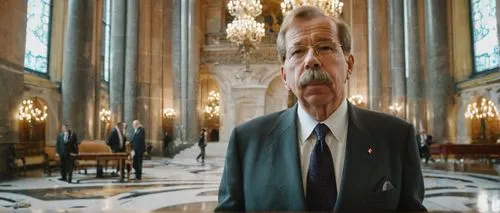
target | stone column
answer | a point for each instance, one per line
(117, 75)
(131, 62)
(184, 69)
(374, 59)
(13, 28)
(415, 81)
(193, 71)
(397, 53)
(498, 18)
(77, 66)
(177, 67)
(438, 68)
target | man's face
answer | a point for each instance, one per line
(135, 124)
(64, 128)
(315, 67)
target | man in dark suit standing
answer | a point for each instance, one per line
(116, 139)
(323, 154)
(138, 147)
(424, 141)
(66, 144)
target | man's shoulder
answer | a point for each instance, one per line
(261, 124)
(373, 119)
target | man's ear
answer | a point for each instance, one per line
(283, 77)
(350, 66)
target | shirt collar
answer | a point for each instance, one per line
(336, 122)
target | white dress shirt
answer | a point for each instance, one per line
(337, 122)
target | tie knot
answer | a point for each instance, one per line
(321, 130)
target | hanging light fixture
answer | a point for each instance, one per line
(356, 100)
(395, 108)
(485, 109)
(329, 7)
(244, 31)
(169, 113)
(212, 107)
(29, 112)
(105, 115)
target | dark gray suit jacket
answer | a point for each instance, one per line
(262, 169)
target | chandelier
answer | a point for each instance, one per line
(329, 7)
(28, 112)
(212, 107)
(105, 115)
(244, 31)
(356, 100)
(169, 113)
(395, 108)
(484, 110)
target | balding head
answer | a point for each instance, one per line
(136, 124)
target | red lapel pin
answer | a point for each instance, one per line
(370, 150)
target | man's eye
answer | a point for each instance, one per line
(297, 51)
(326, 49)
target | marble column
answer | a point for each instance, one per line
(374, 58)
(131, 62)
(117, 75)
(397, 53)
(13, 28)
(184, 69)
(193, 71)
(415, 80)
(77, 66)
(177, 66)
(438, 68)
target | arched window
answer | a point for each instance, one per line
(36, 52)
(484, 36)
(106, 47)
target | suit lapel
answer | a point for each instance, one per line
(359, 163)
(283, 147)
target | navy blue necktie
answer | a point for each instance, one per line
(321, 191)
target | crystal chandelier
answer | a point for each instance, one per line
(244, 31)
(395, 108)
(169, 113)
(105, 115)
(356, 100)
(329, 7)
(28, 112)
(212, 107)
(486, 109)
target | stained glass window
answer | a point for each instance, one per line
(485, 38)
(106, 47)
(37, 36)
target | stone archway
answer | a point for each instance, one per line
(276, 96)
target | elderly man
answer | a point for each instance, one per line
(65, 145)
(323, 154)
(138, 147)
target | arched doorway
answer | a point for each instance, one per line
(210, 102)
(32, 120)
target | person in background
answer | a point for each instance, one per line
(202, 143)
(167, 139)
(66, 144)
(138, 148)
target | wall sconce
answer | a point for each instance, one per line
(356, 100)
(28, 112)
(105, 115)
(169, 113)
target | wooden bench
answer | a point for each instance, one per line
(93, 147)
(25, 159)
(466, 150)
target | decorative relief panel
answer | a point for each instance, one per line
(230, 55)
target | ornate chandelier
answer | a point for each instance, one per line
(329, 7)
(105, 115)
(169, 113)
(28, 112)
(244, 31)
(484, 110)
(212, 107)
(395, 108)
(356, 100)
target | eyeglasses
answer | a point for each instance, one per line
(321, 49)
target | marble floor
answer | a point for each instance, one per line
(183, 185)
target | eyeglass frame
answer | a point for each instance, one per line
(289, 52)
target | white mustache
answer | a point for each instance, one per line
(314, 76)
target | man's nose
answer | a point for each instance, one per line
(312, 60)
